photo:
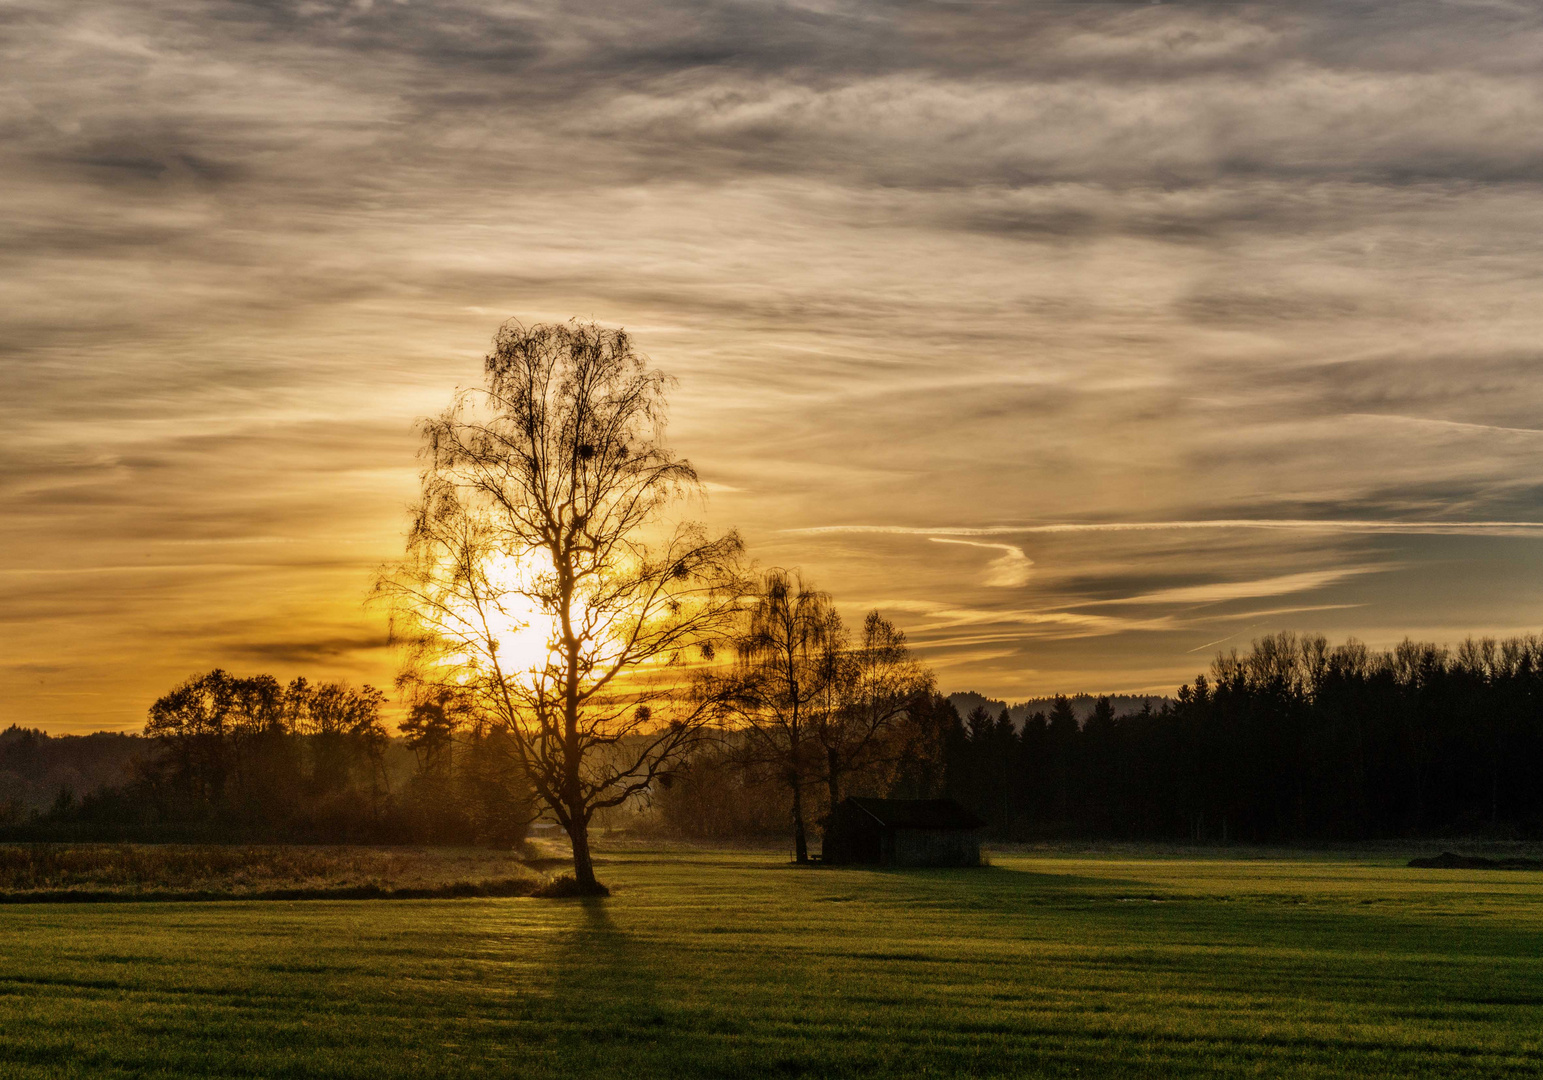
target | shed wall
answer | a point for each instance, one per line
(932, 847)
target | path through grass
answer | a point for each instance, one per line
(733, 964)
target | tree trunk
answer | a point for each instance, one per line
(573, 750)
(833, 778)
(583, 863)
(800, 838)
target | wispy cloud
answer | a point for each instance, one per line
(1007, 571)
(1059, 622)
(1282, 524)
(1451, 425)
(1127, 295)
(1222, 591)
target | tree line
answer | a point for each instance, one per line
(250, 758)
(40, 771)
(1294, 740)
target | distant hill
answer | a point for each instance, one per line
(1082, 704)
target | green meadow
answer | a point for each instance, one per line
(736, 964)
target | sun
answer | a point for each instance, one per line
(521, 630)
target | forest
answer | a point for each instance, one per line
(1294, 740)
(226, 758)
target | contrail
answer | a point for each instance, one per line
(1229, 637)
(1297, 524)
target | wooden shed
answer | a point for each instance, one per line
(902, 832)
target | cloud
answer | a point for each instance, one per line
(298, 653)
(1009, 570)
(1190, 293)
(1222, 591)
(1520, 528)
(949, 618)
(1459, 425)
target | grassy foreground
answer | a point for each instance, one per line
(733, 964)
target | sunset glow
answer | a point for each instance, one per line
(521, 630)
(1080, 340)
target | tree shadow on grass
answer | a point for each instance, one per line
(626, 1002)
(605, 998)
(998, 883)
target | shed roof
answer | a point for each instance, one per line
(917, 813)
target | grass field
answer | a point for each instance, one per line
(69, 872)
(734, 964)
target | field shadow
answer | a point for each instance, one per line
(605, 997)
(1006, 879)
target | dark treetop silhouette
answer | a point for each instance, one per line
(232, 758)
(783, 675)
(1294, 740)
(813, 704)
(542, 581)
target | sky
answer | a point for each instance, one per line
(1082, 340)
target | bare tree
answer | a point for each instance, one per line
(783, 679)
(872, 687)
(542, 579)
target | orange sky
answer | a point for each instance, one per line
(947, 273)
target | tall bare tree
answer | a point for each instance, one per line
(542, 578)
(783, 676)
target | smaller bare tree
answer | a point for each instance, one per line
(872, 687)
(783, 677)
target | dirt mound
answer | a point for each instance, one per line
(567, 885)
